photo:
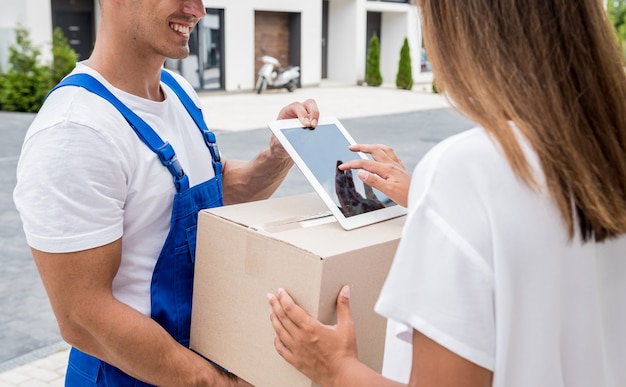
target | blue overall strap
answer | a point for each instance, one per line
(195, 113)
(164, 150)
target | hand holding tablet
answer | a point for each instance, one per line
(318, 153)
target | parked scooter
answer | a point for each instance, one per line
(273, 76)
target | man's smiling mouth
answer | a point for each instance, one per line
(181, 28)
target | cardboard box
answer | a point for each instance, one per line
(246, 251)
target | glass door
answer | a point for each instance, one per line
(204, 67)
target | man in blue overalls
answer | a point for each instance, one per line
(113, 172)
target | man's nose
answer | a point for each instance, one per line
(195, 8)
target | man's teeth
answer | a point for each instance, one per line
(181, 29)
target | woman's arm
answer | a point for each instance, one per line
(328, 354)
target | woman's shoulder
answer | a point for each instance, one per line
(471, 146)
(460, 156)
(464, 167)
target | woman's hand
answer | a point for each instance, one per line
(321, 352)
(386, 172)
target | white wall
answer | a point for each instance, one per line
(346, 35)
(39, 22)
(33, 15)
(239, 38)
(238, 43)
(393, 31)
(7, 37)
(399, 21)
(414, 34)
(347, 40)
(344, 29)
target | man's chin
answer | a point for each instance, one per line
(181, 54)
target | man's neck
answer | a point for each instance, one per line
(128, 72)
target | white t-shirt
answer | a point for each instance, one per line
(485, 268)
(84, 178)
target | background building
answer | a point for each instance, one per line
(326, 38)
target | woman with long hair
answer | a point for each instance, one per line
(511, 270)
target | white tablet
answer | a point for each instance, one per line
(317, 153)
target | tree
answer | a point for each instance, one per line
(24, 86)
(617, 14)
(63, 57)
(404, 78)
(434, 87)
(372, 70)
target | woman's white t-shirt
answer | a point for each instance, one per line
(485, 268)
(85, 179)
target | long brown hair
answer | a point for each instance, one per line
(554, 69)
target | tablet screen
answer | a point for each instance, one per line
(322, 150)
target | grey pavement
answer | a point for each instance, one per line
(25, 314)
(32, 352)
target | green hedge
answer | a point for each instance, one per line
(63, 57)
(25, 85)
(616, 10)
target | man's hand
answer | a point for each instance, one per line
(258, 179)
(386, 172)
(308, 114)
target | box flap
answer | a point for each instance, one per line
(339, 241)
(284, 218)
(270, 211)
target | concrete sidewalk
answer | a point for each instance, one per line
(43, 367)
(244, 111)
(234, 112)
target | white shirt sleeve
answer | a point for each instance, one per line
(439, 284)
(71, 189)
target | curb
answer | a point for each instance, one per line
(33, 356)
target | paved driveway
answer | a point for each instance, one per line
(26, 319)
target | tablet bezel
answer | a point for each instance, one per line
(348, 223)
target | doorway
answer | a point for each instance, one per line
(75, 18)
(374, 23)
(278, 35)
(324, 39)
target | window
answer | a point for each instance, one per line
(204, 67)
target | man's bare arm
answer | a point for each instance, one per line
(258, 179)
(79, 286)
